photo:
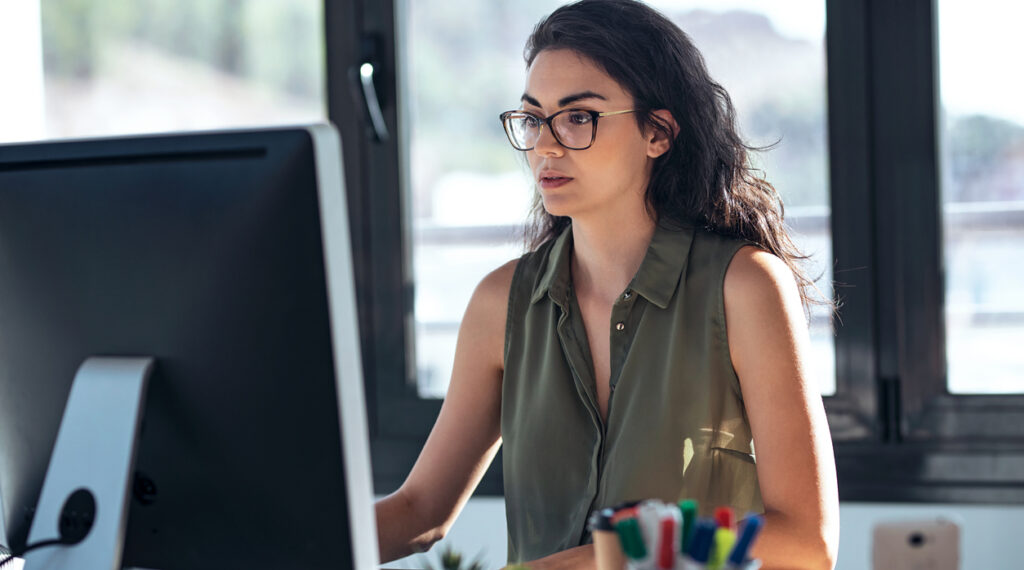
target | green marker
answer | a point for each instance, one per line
(689, 510)
(631, 538)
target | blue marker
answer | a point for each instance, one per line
(703, 536)
(751, 526)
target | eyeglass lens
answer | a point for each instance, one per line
(573, 129)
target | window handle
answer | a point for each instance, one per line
(366, 76)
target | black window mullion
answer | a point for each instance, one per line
(342, 28)
(392, 278)
(909, 236)
(853, 411)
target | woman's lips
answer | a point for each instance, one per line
(550, 182)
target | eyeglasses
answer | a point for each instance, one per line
(575, 129)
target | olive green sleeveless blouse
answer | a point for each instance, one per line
(676, 424)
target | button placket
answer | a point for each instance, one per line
(621, 310)
(621, 331)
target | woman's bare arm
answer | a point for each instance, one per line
(466, 435)
(769, 344)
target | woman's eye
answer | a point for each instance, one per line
(531, 122)
(579, 118)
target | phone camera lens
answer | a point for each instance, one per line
(916, 540)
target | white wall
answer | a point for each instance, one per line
(990, 535)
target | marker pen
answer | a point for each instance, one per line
(649, 514)
(722, 546)
(725, 519)
(623, 514)
(630, 538)
(669, 536)
(751, 527)
(688, 508)
(703, 536)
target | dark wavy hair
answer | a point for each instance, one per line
(705, 178)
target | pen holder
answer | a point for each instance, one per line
(650, 536)
(608, 551)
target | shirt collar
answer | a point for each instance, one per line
(656, 280)
(555, 279)
(663, 265)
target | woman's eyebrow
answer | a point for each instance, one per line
(568, 99)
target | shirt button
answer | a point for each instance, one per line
(620, 326)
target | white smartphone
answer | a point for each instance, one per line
(927, 544)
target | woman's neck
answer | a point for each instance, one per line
(608, 253)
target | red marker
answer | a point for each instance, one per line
(667, 540)
(622, 514)
(725, 519)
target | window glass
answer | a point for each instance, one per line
(469, 192)
(135, 66)
(982, 158)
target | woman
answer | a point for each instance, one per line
(653, 337)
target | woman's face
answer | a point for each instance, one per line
(610, 175)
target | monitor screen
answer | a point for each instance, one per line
(225, 258)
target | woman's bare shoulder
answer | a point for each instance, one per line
(499, 281)
(492, 292)
(489, 304)
(482, 332)
(755, 275)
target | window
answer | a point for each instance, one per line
(901, 433)
(159, 65)
(982, 170)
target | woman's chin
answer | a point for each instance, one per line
(558, 206)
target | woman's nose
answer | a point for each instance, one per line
(546, 144)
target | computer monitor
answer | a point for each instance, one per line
(216, 269)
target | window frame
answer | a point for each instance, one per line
(899, 436)
(929, 445)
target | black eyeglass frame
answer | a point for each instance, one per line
(594, 115)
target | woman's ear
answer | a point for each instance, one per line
(658, 141)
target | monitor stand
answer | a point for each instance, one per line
(95, 450)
